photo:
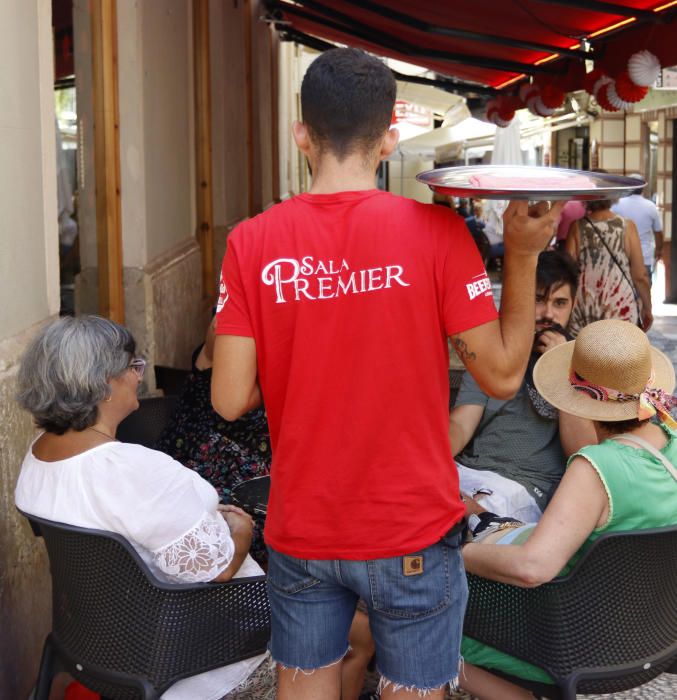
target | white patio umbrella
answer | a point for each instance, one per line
(507, 151)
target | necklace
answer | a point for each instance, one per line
(110, 437)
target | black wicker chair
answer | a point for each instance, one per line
(145, 425)
(609, 625)
(126, 635)
(252, 495)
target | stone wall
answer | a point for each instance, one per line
(163, 307)
(25, 586)
(178, 319)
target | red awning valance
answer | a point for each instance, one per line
(492, 42)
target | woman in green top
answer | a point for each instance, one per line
(611, 375)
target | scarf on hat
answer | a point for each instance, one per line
(542, 407)
(652, 401)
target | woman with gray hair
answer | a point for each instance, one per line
(79, 379)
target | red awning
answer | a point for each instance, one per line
(491, 42)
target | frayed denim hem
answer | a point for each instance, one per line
(422, 692)
(310, 671)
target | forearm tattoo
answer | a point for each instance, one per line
(462, 349)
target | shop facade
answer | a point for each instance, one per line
(180, 132)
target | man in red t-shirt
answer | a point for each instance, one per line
(336, 306)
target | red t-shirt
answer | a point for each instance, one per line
(350, 298)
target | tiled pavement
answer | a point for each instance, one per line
(663, 687)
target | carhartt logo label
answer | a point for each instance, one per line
(478, 286)
(412, 565)
(312, 279)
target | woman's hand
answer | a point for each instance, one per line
(647, 319)
(236, 517)
(241, 527)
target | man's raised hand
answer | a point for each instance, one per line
(528, 235)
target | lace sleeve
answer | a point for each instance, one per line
(200, 554)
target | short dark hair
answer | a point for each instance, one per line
(347, 100)
(555, 268)
(599, 205)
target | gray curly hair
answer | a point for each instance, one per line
(65, 371)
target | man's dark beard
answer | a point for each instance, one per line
(541, 406)
(551, 326)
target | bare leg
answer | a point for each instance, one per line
(401, 694)
(486, 686)
(321, 684)
(356, 661)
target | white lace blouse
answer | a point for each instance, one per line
(167, 512)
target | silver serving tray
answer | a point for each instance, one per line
(456, 181)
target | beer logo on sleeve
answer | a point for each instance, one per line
(223, 294)
(308, 278)
(480, 285)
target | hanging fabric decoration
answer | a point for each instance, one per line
(501, 111)
(527, 90)
(503, 123)
(600, 83)
(552, 96)
(536, 106)
(491, 109)
(603, 99)
(629, 91)
(644, 68)
(613, 97)
(591, 79)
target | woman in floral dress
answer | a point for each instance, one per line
(607, 286)
(224, 453)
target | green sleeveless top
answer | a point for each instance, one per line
(642, 494)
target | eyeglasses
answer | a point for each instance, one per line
(138, 364)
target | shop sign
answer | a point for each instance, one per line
(410, 113)
(667, 78)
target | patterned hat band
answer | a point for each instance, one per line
(651, 401)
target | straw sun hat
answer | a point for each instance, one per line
(606, 355)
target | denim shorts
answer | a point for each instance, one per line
(415, 604)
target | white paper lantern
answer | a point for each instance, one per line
(644, 68)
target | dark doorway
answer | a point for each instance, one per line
(65, 109)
